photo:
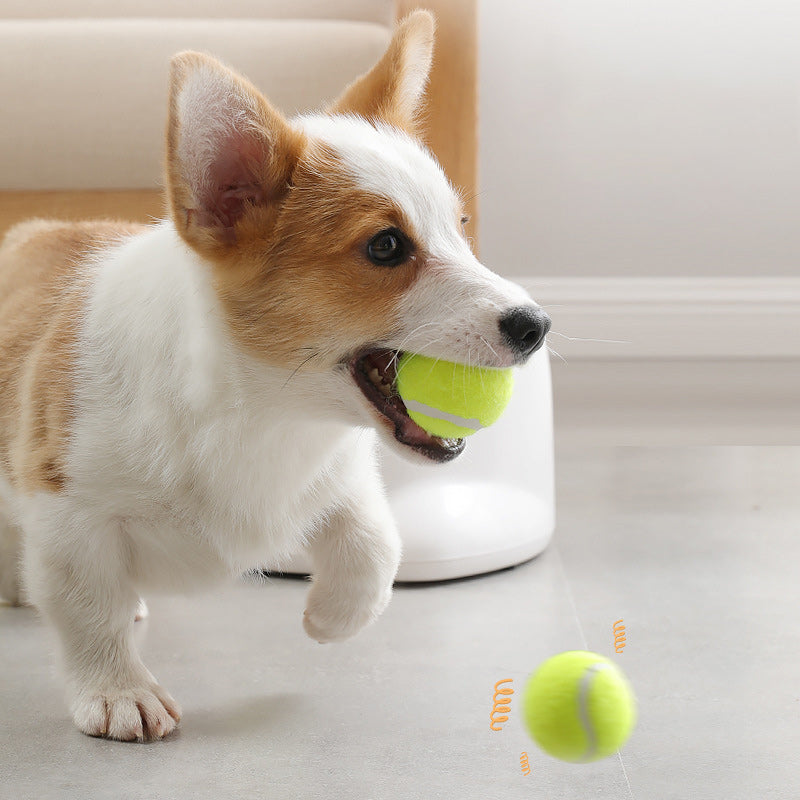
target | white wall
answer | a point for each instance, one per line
(640, 137)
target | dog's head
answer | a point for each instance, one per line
(335, 239)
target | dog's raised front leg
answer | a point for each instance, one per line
(355, 555)
(79, 580)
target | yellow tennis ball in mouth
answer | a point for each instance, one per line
(579, 706)
(452, 400)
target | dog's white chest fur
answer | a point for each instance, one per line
(183, 438)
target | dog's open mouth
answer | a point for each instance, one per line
(375, 374)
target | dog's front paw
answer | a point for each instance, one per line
(132, 714)
(331, 618)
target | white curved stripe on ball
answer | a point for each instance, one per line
(583, 708)
(445, 416)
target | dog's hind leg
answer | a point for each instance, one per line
(11, 553)
(10, 561)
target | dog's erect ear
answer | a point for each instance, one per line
(230, 155)
(392, 90)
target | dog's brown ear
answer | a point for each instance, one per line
(230, 155)
(392, 90)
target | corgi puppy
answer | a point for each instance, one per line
(185, 401)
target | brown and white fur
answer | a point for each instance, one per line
(185, 401)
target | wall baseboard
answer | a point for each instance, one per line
(676, 401)
(685, 318)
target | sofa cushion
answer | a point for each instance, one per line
(378, 11)
(84, 101)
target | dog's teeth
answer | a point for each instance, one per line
(375, 376)
(386, 389)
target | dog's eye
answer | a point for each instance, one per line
(388, 248)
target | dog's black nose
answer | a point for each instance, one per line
(524, 329)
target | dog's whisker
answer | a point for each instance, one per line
(469, 366)
(416, 330)
(474, 195)
(490, 347)
(581, 339)
(555, 353)
(429, 343)
(299, 367)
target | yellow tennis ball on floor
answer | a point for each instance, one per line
(578, 706)
(452, 400)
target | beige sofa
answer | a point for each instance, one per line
(83, 86)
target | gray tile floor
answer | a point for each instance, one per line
(696, 549)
